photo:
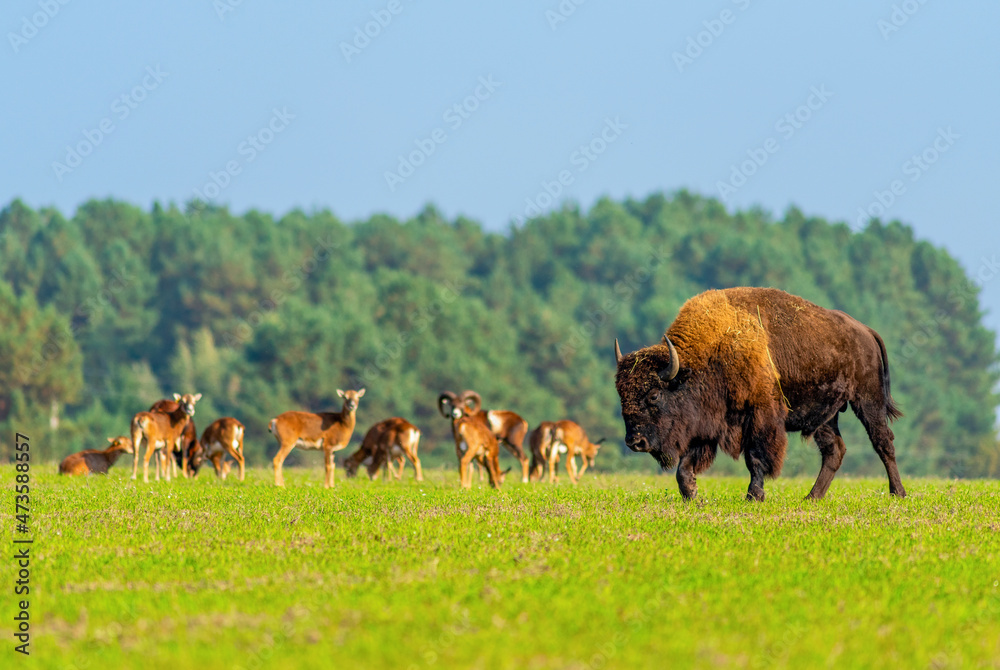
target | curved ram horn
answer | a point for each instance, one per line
(618, 352)
(669, 372)
(475, 398)
(448, 399)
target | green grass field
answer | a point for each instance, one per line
(616, 573)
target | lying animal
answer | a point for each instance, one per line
(95, 461)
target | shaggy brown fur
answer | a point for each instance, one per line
(756, 363)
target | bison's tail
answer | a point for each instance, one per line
(891, 408)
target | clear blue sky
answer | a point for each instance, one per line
(879, 96)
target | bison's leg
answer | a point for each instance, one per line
(698, 458)
(764, 445)
(874, 419)
(687, 481)
(831, 447)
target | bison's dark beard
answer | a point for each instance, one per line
(667, 459)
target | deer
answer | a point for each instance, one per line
(224, 436)
(540, 444)
(189, 441)
(569, 438)
(163, 432)
(507, 426)
(96, 461)
(392, 440)
(329, 431)
(473, 439)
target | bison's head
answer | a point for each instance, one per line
(656, 401)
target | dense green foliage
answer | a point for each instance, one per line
(614, 573)
(109, 311)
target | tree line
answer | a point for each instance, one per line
(110, 310)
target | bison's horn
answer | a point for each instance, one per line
(618, 352)
(669, 372)
(446, 401)
(477, 401)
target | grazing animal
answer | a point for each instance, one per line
(189, 440)
(738, 369)
(329, 431)
(571, 439)
(196, 458)
(473, 440)
(392, 440)
(224, 436)
(96, 461)
(540, 444)
(163, 432)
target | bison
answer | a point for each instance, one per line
(738, 369)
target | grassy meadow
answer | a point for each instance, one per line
(618, 572)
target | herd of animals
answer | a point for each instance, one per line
(736, 371)
(168, 431)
